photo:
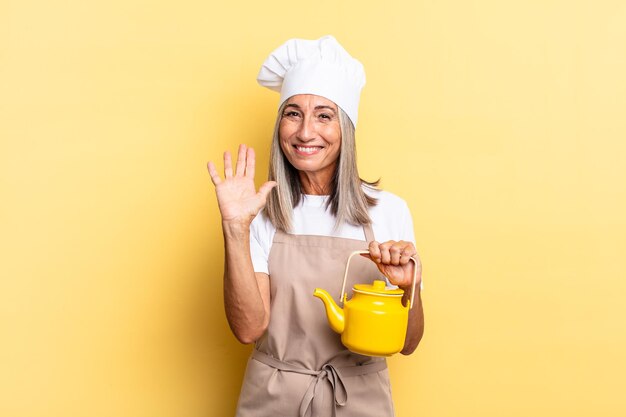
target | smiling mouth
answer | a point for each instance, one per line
(308, 150)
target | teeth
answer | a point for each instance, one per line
(308, 149)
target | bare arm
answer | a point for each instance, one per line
(394, 261)
(246, 293)
(415, 329)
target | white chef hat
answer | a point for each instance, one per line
(321, 67)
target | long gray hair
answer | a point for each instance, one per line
(348, 202)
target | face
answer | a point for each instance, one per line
(310, 135)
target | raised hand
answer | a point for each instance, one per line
(237, 197)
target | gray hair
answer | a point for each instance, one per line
(348, 201)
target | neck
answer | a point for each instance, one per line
(315, 184)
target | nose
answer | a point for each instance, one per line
(306, 131)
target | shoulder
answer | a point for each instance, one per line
(387, 201)
(391, 217)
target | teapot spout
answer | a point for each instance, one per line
(333, 312)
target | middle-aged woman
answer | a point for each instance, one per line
(281, 243)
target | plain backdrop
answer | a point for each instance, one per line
(501, 123)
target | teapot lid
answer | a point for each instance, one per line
(378, 287)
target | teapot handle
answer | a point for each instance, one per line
(364, 252)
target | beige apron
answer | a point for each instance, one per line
(299, 367)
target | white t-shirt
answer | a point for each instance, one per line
(391, 220)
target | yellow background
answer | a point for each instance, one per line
(502, 123)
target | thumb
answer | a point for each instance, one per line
(265, 189)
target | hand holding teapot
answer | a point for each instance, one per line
(393, 259)
(374, 321)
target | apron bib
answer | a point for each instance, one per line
(299, 368)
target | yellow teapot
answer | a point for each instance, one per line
(374, 321)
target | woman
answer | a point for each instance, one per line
(280, 244)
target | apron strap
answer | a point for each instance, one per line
(369, 232)
(280, 236)
(313, 395)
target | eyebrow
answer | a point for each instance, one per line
(316, 107)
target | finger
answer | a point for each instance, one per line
(215, 178)
(385, 255)
(250, 163)
(265, 189)
(228, 165)
(395, 252)
(408, 251)
(374, 251)
(241, 161)
(405, 258)
(366, 255)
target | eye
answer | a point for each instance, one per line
(325, 116)
(291, 113)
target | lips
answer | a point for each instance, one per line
(307, 150)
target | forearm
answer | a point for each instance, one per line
(243, 300)
(415, 328)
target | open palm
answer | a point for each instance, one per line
(237, 196)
